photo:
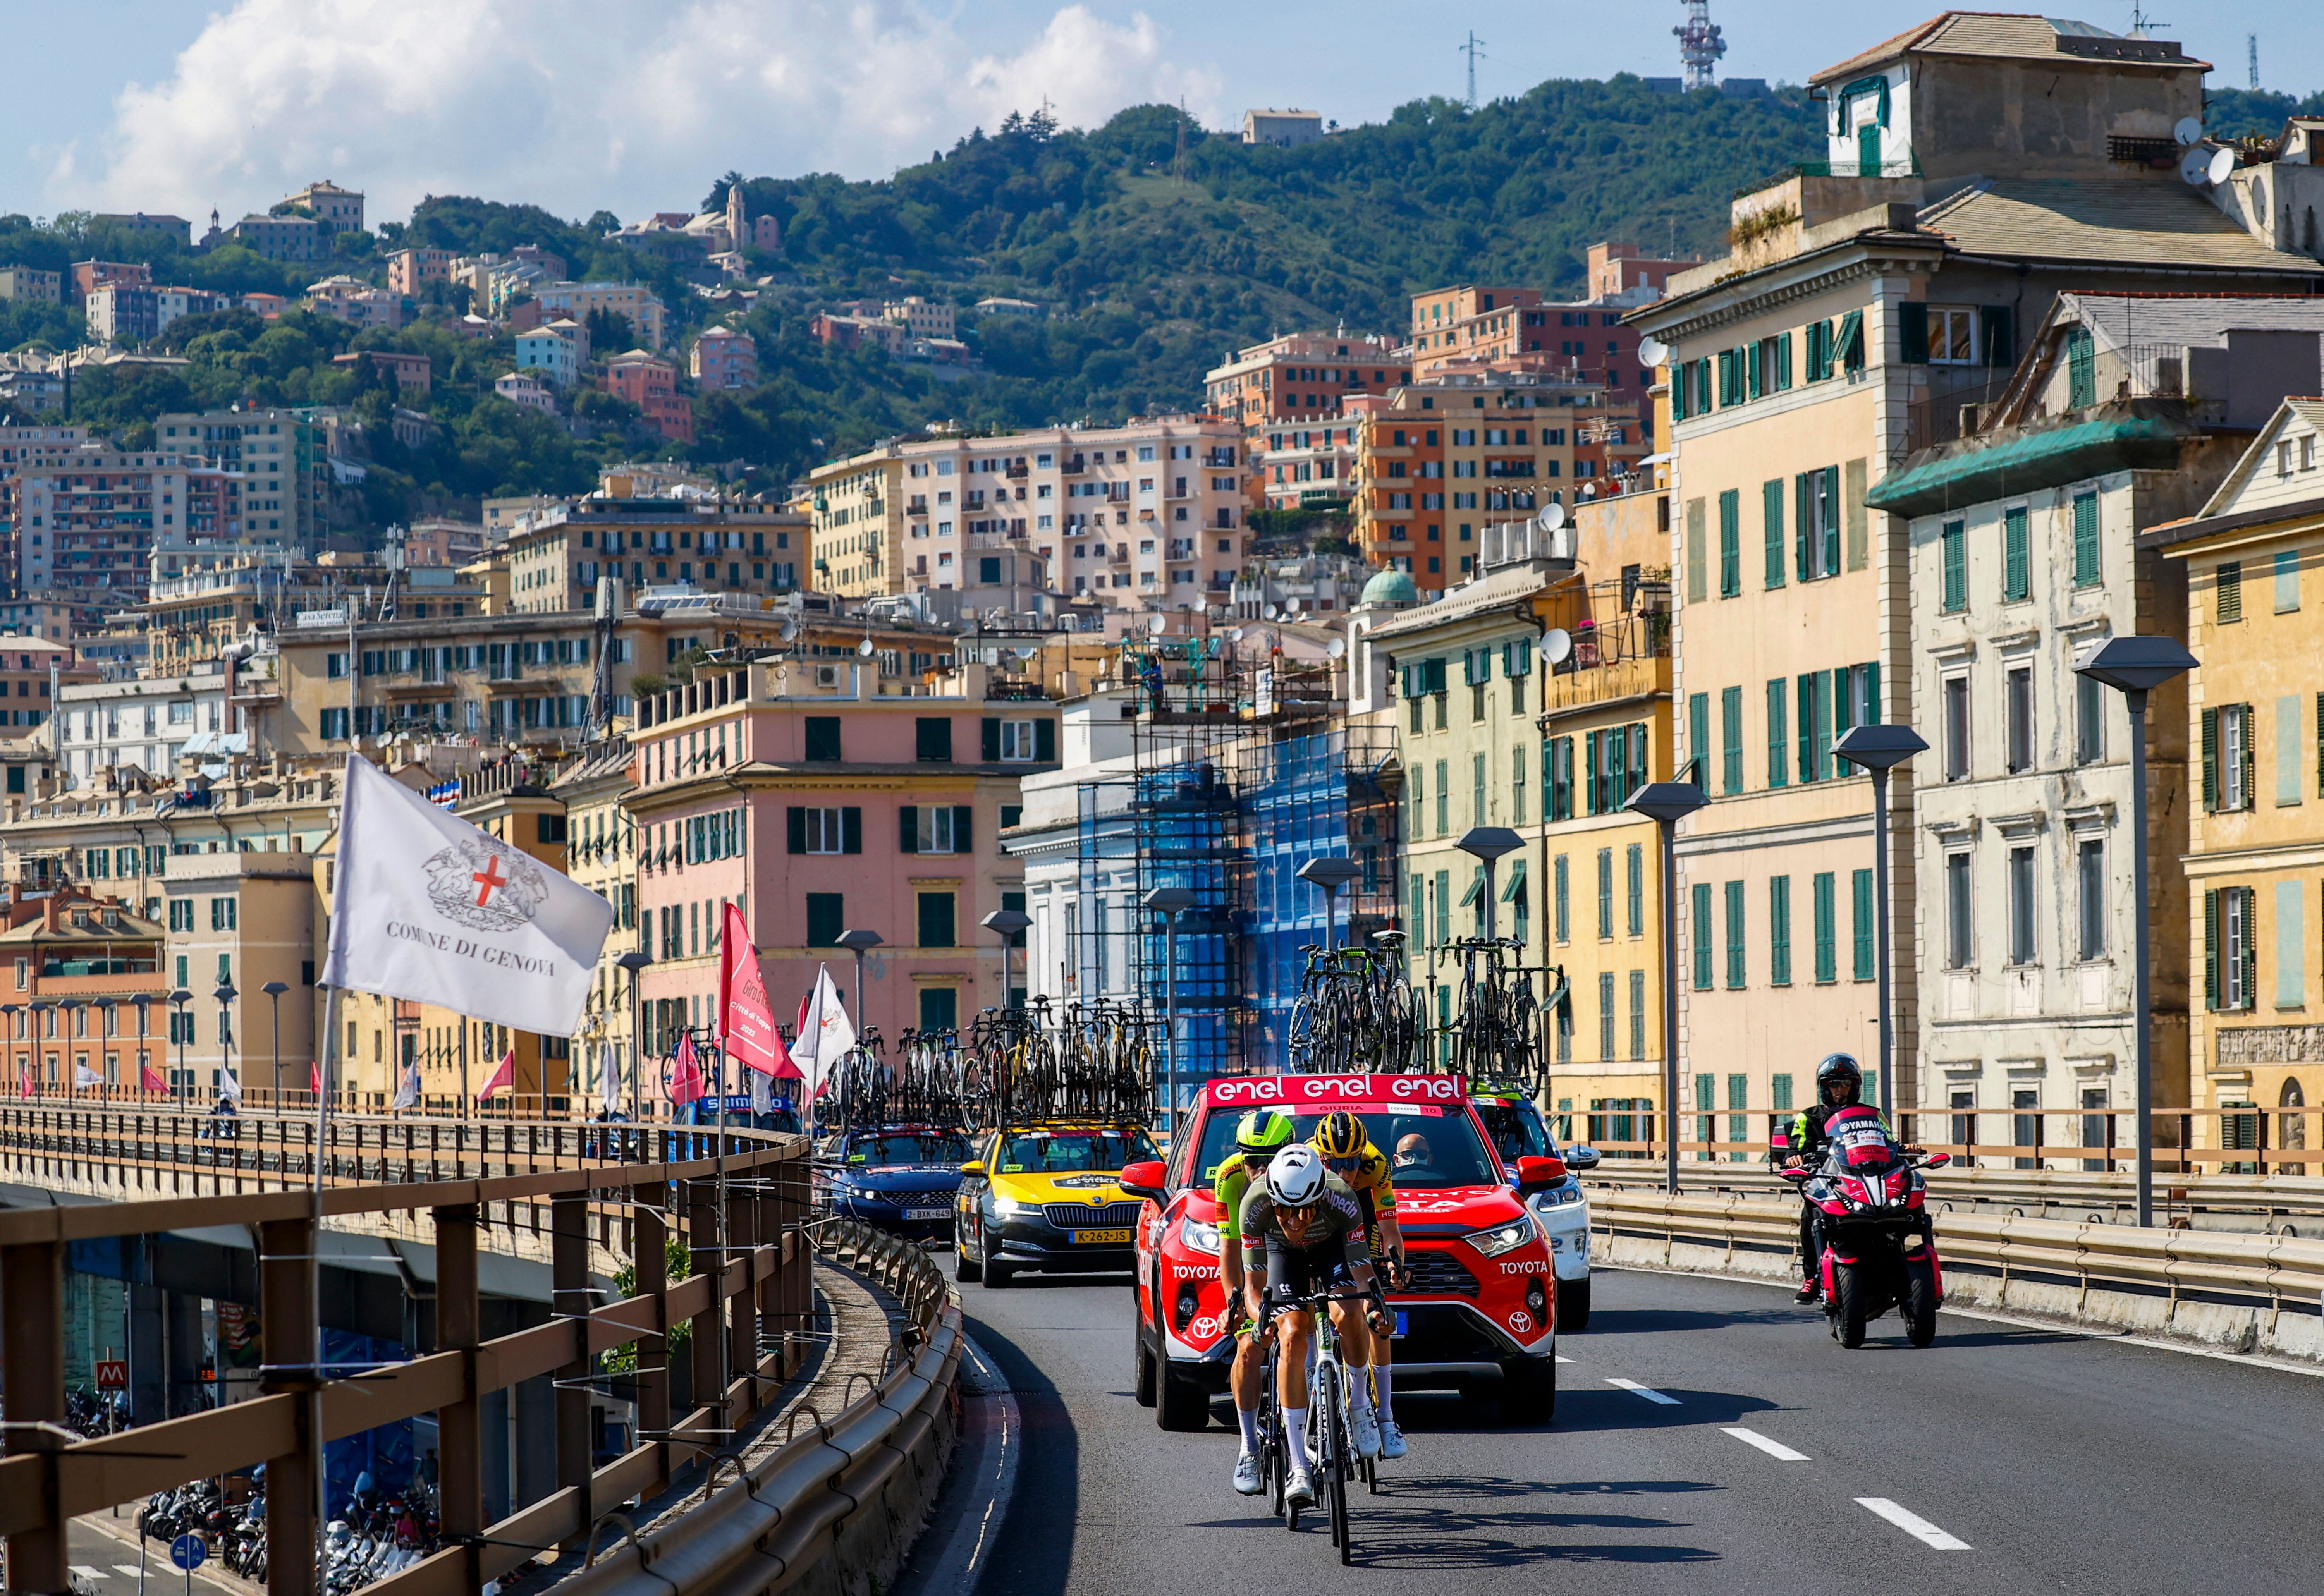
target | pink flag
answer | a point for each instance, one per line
(745, 1020)
(684, 1073)
(314, 1077)
(503, 1077)
(149, 1079)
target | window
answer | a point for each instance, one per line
(1443, 799)
(1825, 910)
(1698, 738)
(2021, 906)
(825, 830)
(1021, 742)
(1605, 894)
(1635, 876)
(181, 916)
(1518, 759)
(1950, 335)
(936, 919)
(2287, 750)
(2017, 716)
(1814, 736)
(2287, 580)
(822, 737)
(1864, 924)
(2081, 369)
(2085, 542)
(826, 918)
(1779, 753)
(1557, 777)
(2090, 878)
(1731, 544)
(1700, 930)
(2227, 758)
(1815, 523)
(1959, 942)
(1606, 1014)
(1561, 902)
(1735, 971)
(935, 828)
(932, 738)
(1779, 930)
(1954, 544)
(1956, 728)
(1477, 790)
(2015, 562)
(2229, 603)
(222, 914)
(2229, 955)
(2089, 720)
(1637, 1014)
(2290, 945)
(1771, 514)
(1730, 726)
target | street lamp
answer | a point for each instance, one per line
(226, 995)
(1331, 872)
(1006, 923)
(1169, 903)
(274, 991)
(8, 1012)
(1880, 749)
(633, 961)
(70, 1007)
(2134, 666)
(1667, 803)
(181, 996)
(104, 1007)
(859, 943)
(1487, 844)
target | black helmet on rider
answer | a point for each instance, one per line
(1840, 1070)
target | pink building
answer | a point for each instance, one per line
(411, 270)
(722, 357)
(650, 383)
(823, 799)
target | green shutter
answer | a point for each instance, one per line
(1826, 952)
(2211, 755)
(1802, 518)
(1953, 543)
(907, 828)
(1861, 891)
(1730, 717)
(1751, 378)
(1822, 729)
(1805, 728)
(1735, 956)
(850, 831)
(1771, 509)
(2251, 946)
(1843, 704)
(795, 822)
(2249, 738)
(1701, 938)
(1698, 573)
(1913, 332)
(1731, 544)
(1782, 361)
(2016, 579)
(991, 740)
(1590, 768)
(1869, 673)
(2086, 540)
(1779, 930)
(1828, 501)
(1679, 385)
(1698, 738)
(1779, 755)
(1849, 342)
(2210, 950)
(1044, 741)
(2081, 369)
(963, 826)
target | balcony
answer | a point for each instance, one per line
(1584, 686)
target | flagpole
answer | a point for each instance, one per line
(314, 1288)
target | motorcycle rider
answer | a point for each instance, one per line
(1839, 1083)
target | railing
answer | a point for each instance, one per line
(748, 1312)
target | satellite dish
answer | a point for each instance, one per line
(2223, 163)
(2195, 168)
(1557, 645)
(1553, 516)
(1337, 647)
(1652, 351)
(1157, 624)
(2188, 130)
(1025, 653)
(1235, 636)
(1274, 613)
(791, 630)
(866, 648)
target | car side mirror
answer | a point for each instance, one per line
(1146, 1179)
(1579, 1158)
(1937, 1162)
(973, 1167)
(1538, 1174)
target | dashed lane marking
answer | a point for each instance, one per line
(1648, 1392)
(1772, 1448)
(1913, 1524)
(130, 1569)
(1562, 1358)
(87, 1573)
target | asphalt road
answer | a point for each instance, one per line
(108, 1564)
(2002, 1459)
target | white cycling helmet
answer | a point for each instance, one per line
(1295, 1176)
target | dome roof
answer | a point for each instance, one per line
(1390, 587)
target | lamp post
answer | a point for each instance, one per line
(274, 991)
(226, 995)
(104, 1007)
(859, 943)
(1487, 844)
(8, 1012)
(1331, 872)
(1880, 749)
(1667, 803)
(633, 961)
(33, 1022)
(1169, 903)
(1005, 924)
(181, 996)
(71, 1009)
(2134, 666)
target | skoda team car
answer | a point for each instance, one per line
(1478, 1316)
(1513, 1122)
(899, 1178)
(1047, 1196)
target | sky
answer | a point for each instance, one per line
(633, 107)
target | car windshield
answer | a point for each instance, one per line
(1515, 1130)
(1060, 1153)
(1429, 1148)
(925, 1148)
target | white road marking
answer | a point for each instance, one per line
(1775, 1449)
(130, 1569)
(87, 1573)
(1562, 1358)
(1648, 1392)
(1913, 1524)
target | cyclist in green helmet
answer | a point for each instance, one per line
(1258, 1137)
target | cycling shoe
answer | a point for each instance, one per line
(1246, 1474)
(1363, 1429)
(1391, 1440)
(1301, 1490)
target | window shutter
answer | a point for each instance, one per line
(1778, 751)
(1843, 704)
(1828, 497)
(1637, 761)
(2086, 540)
(850, 831)
(1823, 726)
(962, 819)
(1753, 376)
(2319, 745)
(1802, 518)
(1679, 385)
(907, 828)
(1849, 342)
(1045, 740)
(2211, 755)
(991, 740)
(1771, 509)
(795, 819)
(2211, 948)
(1913, 330)
(2247, 741)
(1590, 768)
(1805, 729)
(1868, 674)
(1999, 339)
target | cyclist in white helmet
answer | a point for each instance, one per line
(1303, 1231)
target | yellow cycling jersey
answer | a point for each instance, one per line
(1229, 1182)
(1371, 1176)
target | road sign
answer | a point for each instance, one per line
(112, 1374)
(187, 1552)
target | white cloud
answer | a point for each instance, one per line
(582, 104)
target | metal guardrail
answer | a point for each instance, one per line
(750, 1311)
(2277, 1202)
(781, 1519)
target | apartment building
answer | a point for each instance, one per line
(337, 210)
(722, 546)
(2253, 723)
(411, 270)
(821, 805)
(1509, 436)
(86, 997)
(601, 852)
(30, 282)
(130, 313)
(281, 460)
(237, 922)
(31, 667)
(87, 276)
(650, 383)
(146, 723)
(2025, 531)
(88, 520)
(1855, 319)
(1147, 515)
(1289, 394)
(578, 300)
(923, 318)
(549, 356)
(357, 303)
(1282, 129)
(723, 357)
(282, 239)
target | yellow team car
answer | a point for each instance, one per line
(1043, 1196)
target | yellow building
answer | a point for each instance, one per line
(600, 851)
(2256, 836)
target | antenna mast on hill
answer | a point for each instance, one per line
(1699, 45)
(1474, 47)
(2251, 43)
(1178, 156)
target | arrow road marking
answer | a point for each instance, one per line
(1648, 1392)
(1775, 1449)
(1913, 1524)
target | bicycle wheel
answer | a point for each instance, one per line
(1331, 1468)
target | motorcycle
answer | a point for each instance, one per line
(1879, 1246)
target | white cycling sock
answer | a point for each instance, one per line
(1295, 1432)
(1380, 1385)
(1359, 1391)
(1248, 1418)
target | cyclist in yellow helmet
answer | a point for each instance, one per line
(1347, 1152)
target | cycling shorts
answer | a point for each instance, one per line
(1294, 1271)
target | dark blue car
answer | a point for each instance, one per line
(899, 1178)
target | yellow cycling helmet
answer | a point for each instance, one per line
(1342, 1135)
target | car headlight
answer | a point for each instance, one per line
(1557, 1196)
(1504, 1238)
(1201, 1237)
(1010, 1208)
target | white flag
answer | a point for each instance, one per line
(230, 1086)
(609, 1077)
(432, 909)
(406, 1090)
(825, 1035)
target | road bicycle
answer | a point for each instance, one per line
(1355, 1011)
(1495, 1033)
(1330, 1453)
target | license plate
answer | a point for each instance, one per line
(1101, 1238)
(1400, 1322)
(927, 1212)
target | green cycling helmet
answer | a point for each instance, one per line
(1262, 1131)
